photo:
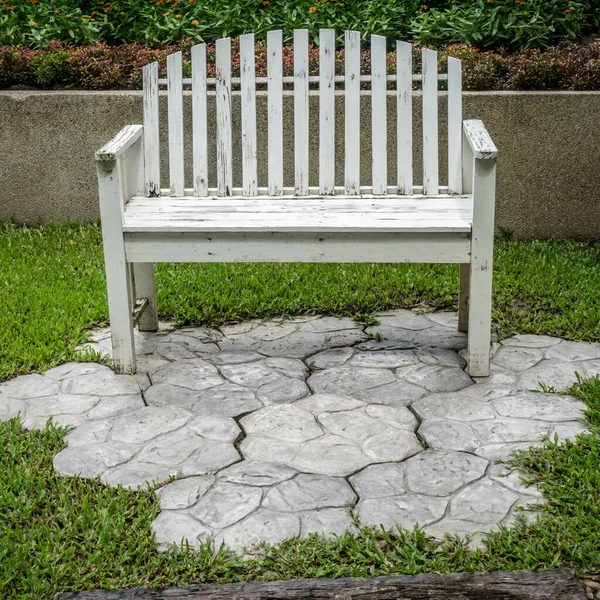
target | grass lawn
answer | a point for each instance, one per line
(53, 289)
(61, 534)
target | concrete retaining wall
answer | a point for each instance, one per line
(548, 166)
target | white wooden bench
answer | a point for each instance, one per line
(380, 222)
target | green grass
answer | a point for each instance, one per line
(59, 534)
(53, 290)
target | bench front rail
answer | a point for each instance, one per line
(296, 221)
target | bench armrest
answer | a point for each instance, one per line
(479, 140)
(120, 143)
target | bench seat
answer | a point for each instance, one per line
(339, 214)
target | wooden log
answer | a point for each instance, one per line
(558, 584)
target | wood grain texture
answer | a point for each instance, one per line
(223, 92)
(454, 125)
(559, 584)
(352, 113)
(404, 117)
(430, 122)
(151, 131)
(379, 114)
(175, 120)
(199, 120)
(113, 149)
(301, 111)
(327, 111)
(275, 111)
(248, 94)
(479, 140)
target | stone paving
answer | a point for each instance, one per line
(279, 429)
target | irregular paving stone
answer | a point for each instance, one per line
(29, 386)
(391, 445)
(88, 434)
(512, 479)
(194, 374)
(115, 406)
(442, 473)
(283, 422)
(395, 416)
(175, 346)
(531, 341)
(209, 458)
(91, 461)
(335, 357)
(484, 502)
(309, 492)
(405, 319)
(510, 430)
(568, 430)
(435, 378)
(440, 338)
(441, 357)
(503, 452)
(497, 376)
(269, 331)
(239, 328)
(453, 527)
(226, 504)
(11, 407)
(443, 318)
(176, 528)
(348, 380)
(283, 390)
(517, 359)
(573, 351)
(320, 403)
(137, 475)
(456, 406)
(328, 324)
(327, 522)
(263, 526)
(484, 392)
(406, 510)
(253, 375)
(290, 367)
(260, 448)
(142, 425)
(167, 394)
(57, 420)
(384, 359)
(348, 337)
(183, 493)
(171, 449)
(354, 424)
(544, 407)
(295, 345)
(227, 400)
(553, 373)
(399, 393)
(234, 357)
(212, 427)
(449, 435)
(329, 455)
(380, 481)
(105, 383)
(256, 473)
(388, 337)
(73, 369)
(63, 404)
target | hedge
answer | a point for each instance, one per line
(568, 66)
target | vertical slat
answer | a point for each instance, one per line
(326, 111)
(379, 113)
(175, 97)
(352, 113)
(223, 90)
(248, 95)
(301, 111)
(430, 123)
(404, 118)
(275, 112)
(454, 125)
(199, 128)
(151, 132)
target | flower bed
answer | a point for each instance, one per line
(568, 66)
(515, 24)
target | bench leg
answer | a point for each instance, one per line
(145, 287)
(463, 297)
(482, 255)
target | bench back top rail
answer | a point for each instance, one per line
(326, 80)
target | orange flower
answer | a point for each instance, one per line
(57, 12)
(195, 22)
(312, 9)
(107, 10)
(33, 24)
(265, 3)
(567, 10)
(166, 14)
(34, 1)
(424, 6)
(10, 8)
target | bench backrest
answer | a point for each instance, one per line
(326, 83)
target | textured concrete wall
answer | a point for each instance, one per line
(548, 166)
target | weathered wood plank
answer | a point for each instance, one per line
(275, 111)
(175, 120)
(454, 125)
(301, 111)
(327, 111)
(352, 113)
(379, 113)
(113, 149)
(430, 122)
(405, 122)
(479, 140)
(199, 125)
(559, 584)
(224, 154)
(151, 131)
(248, 94)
